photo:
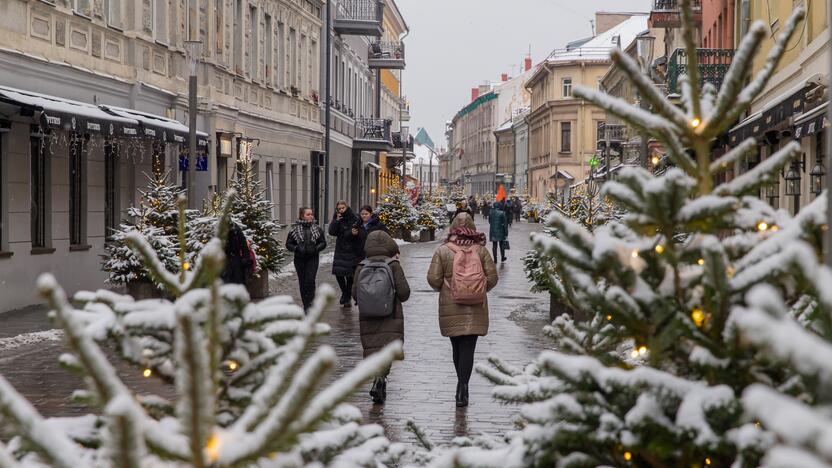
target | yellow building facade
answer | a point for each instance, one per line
(395, 29)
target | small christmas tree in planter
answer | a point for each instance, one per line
(157, 218)
(246, 386)
(253, 212)
(396, 212)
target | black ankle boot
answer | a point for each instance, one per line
(379, 390)
(462, 395)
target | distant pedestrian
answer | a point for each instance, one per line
(347, 249)
(239, 261)
(463, 208)
(486, 209)
(306, 240)
(517, 207)
(368, 223)
(473, 205)
(380, 288)
(463, 273)
(498, 230)
(508, 208)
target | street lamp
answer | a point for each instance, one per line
(816, 175)
(792, 179)
(194, 49)
(645, 50)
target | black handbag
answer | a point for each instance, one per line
(505, 245)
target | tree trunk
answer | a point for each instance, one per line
(258, 285)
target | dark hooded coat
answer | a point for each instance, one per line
(347, 246)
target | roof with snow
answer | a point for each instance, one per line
(598, 48)
(505, 126)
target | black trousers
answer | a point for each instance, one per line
(345, 283)
(494, 250)
(464, 347)
(307, 270)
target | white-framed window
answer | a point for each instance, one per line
(268, 52)
(566, 87)
(113, 13)
(160, 20)
(280, 69)
(252, 46)
(293, 57)
(83, 7)
(238, 37)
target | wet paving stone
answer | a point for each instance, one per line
(420, 388)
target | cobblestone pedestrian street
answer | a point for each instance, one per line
(420, 388)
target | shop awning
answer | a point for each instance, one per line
(374, 165)
(811, 121)
(68, 114)
(773, 116)
(158, 127)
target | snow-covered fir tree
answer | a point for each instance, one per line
(253, 212)
(156, 218)
(707, 342)
(396, 211)
(248, 380)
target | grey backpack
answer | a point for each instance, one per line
(376, 289)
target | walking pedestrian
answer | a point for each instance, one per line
(474, 206)
(380, 288)
(347, 252)
(498, 230)
(463, 208)
(508, 209)
(369, 223)
(486, 208)
(239, 263)
(306, 240)
(463, 273)
(518, 209)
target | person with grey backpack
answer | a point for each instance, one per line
(380, 288)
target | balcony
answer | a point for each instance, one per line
(386, 55)
(372, 135)
(359, 18)
(713, 64)
(615, 133)
(404, 110)
(407, 145)
(667, 13)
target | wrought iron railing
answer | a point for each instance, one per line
(372, 129)
(360, 10)
(713, 64)
(386, 50)
(397, 142)
(615, 133)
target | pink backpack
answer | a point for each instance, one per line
(468, 285)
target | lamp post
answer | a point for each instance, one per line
(792, 179)
(645, 50)
(194, 49)
(817, 173)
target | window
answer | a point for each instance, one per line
(252, 47)
(599, 131)
(192, 18)
(113, 13)
(83, 7)
(293, 57)
(281, 187)
(112, 217)
(301, 65)
(566, 137)
(268, 52)
(280, 71)
(41, 192)
(157, 159)
(238, 37)
(567, 87)
(305, 185)
(160, 20)
(219, 11)
(77, 191)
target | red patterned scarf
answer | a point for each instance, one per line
(465, 236)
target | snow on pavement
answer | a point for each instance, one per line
(30, 338)
(288, 269)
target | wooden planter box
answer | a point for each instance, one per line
(424, 236)
(144, 290)
(258, 285)
(395, 233)
(432, 234)
(407, 235)
(558, 308)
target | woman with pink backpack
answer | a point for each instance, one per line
(463, 272)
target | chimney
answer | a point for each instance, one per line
(528, 64)
(475, 93)
(504, 77)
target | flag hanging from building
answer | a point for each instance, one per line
(422, 138)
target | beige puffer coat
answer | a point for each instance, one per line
(458, 319)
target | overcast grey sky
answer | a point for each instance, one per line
(455, 45)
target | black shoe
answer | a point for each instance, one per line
(344, 299)
(462, 395)
(504, 260)
(347, 305)
(379, 390)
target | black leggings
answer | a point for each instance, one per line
(464, 347)
(494, 250)
(307, 270)
(345, 283)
